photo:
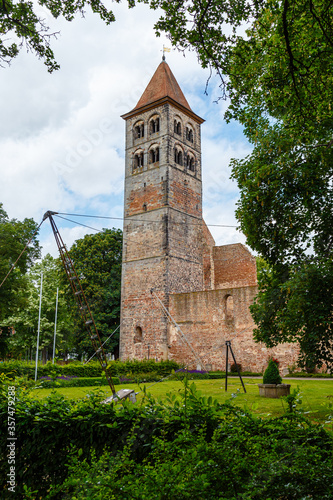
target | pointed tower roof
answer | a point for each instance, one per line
(162, 87)
(162, 84)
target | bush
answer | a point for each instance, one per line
(233, 367)
(210, 450)
(190, 466)
(272, 375)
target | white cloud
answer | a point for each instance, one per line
(61, 136)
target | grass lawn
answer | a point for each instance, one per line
(316, 395)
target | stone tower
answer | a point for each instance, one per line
(163, 227)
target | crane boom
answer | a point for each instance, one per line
(81, 301)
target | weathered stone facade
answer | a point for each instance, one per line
(169, 250)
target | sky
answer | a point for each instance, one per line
(62, 140)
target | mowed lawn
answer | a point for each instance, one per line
(316, 396)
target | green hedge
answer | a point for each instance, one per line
(21, 368)
(309, 375)
(161, 368)
(92, 369)
(190, 376)
(221, 374)
(189, 448)
(77, 382)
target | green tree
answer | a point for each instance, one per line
(278, 77)
(14, 236)
(25, 321)
(97, 259)
(21, 26)
(282, 96)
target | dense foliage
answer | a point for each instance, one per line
(192, 447)
(274, 59)
(14, 235)
(97, 259)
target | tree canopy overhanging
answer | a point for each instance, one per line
(22, 26)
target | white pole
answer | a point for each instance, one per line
(55, 326)
(39, 314)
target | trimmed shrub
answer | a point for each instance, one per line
(14, 368)
(233, 367)
(272, 375)
(145, 366)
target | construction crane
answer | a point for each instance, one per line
(85, 313)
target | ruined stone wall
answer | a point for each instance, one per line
(207, 255)
(234, 266)
(210, 318)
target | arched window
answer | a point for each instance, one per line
(190, 162)
(138, 335)
(177, 127)
(138, 160)
(154, 125)
(154, 155)
(139, 130)
(189, 134)
(178, 156)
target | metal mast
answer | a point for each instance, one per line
(81, 301)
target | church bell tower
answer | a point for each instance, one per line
(163, 226)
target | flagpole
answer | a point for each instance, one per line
(39, 314)
(55, 326)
